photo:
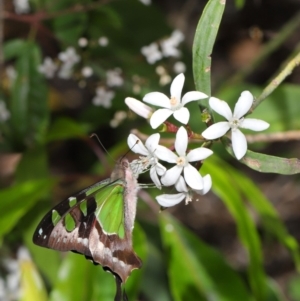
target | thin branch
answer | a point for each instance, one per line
(1, 33)
(42, 15)
(268, 48)
(278, 79)
(274, 137)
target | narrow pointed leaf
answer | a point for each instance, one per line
(18, 199)
(194, 267)
(205, 37)
(225, 187)
(267, 163)
(268, 215)
(32, 286)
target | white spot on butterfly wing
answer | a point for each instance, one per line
(40, 231)
(122, 263)
(72, 201)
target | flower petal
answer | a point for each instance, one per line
(207, 183)
(157, 99)
(221, 107)
(181, 141)
(198, 154)
(176, 86)
(239, 143)
(165, 154)
(243, 104)
(216, 130)
(137, 148)
(152, 142)
(171, 176)
(168, 200)
(154, 177)
(160, 169)
(191, 96)
(254, 124)
(159, 116)
(193, 177)
(180, 185)
(138, 107)
(182, 115)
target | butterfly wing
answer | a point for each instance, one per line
(92, 223)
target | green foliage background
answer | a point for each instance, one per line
(178, 265)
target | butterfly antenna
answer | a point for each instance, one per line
(98, 139)
(137, 141)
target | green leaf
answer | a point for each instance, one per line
(32, 286)
(155, 268)
(204, 40)
(224, 185)
(28, 103)
(69, 27)
(39, 254)
(196, 271)
(140, 247)
(266, 163)
(74, 280)
(36, 157)
(18, 199)
(66, 128)
(13, 48)
(269, 216)
(94, 283)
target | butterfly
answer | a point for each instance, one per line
(98, 222)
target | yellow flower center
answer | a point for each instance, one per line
(181, 161)
(174, 102)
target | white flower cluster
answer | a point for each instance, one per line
(168, 48)
(68, 59)
(64, 68)
(183, 174)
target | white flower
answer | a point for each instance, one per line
(48, 67)
(113, 78)
(149, 152)
(168, 200)
(182, 161)
(103, 98)
(138, 107)
(146, 2)
(235, 121)
(4, 113)
(173, 105)
(65, 71)
(69, 57)
(179, 67)
(11, 73)
(87, 71)
(169, 45)
(21, 6)
(151, 53)
(82, 42)
(103, 41)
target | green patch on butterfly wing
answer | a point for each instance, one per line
(72, 201)
(69, 222)
(83, 207)
(55, 217)
(110, 209)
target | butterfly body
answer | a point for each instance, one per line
(97, 223)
